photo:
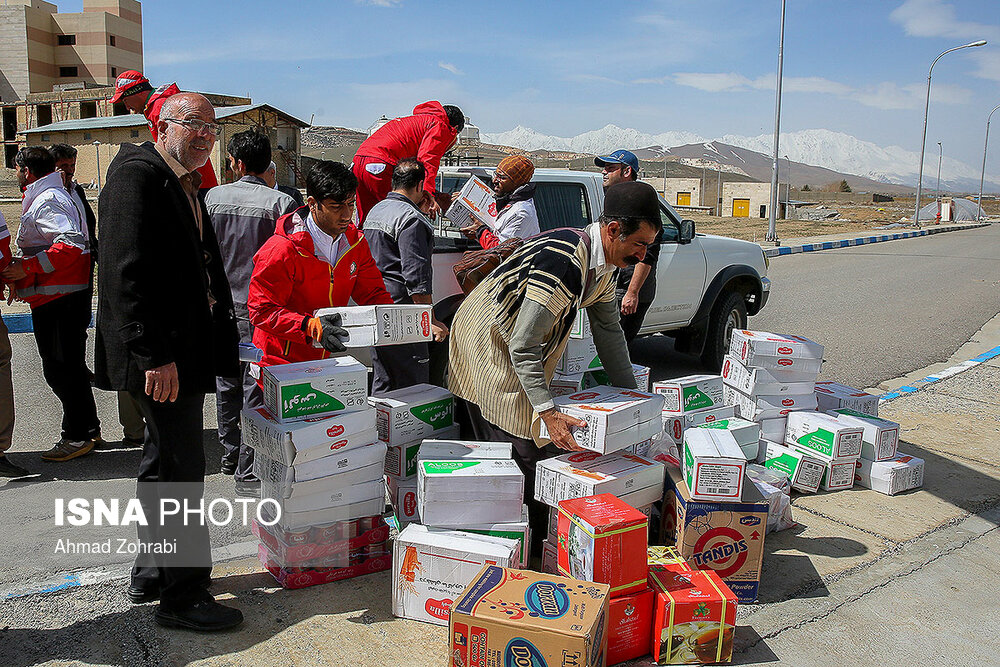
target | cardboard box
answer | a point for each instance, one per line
(600, 378)
(401, 460)
(789, 354)
(616, 418)
(299, 442)
(403, 498)
(581, 325)
(746, 433)
(580, 474)
(603, 539)
(414, 413)
(513, 530)
(694, 617)
(725, 537)
(758, 408)
(630, 626)
(432, 566)
(754, 381)
(354, 466)
(713, 464)
(456, 450)
(668, 557)
(773, 429)
(833, 395)
(804, 471)
(579, 356)
(890, 477)
(345, 538)
(823, 436)
(303, 577)
(675, 425)
(564, 385)
(690, 393)
(550, 557)
(546, 620)
(475, 203)
(326, 497)
(354, 502)
(880, 438)
(838, 474)
(462, 493)
(314, 388)
(390, 324)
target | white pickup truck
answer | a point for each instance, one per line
(706, 286)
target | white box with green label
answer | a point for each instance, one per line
(675, 425)
(512, 530)
(616, 418)
(690, 393)
(759, 381)
(468, 492)
(401, 460)
(299, 442)
(823, 436)
(318, 388)
(455, 450)
(579, 356)
(389, 324)
(342, 502)
(833, 395)
(757, 408)
(773, 429)
(899, 474)
(581, 325)
(414, 413)
(804, 471)
(713, 465)
(746, 433)
(838, 474)
(600, 378)
(880, 438)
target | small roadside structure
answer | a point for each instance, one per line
(951, 210)
(746, 200)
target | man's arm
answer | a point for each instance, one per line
(65, 232)
(416, 246)
(432, 147)
(610, 343)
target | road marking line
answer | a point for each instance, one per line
(941, 375)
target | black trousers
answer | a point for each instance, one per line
(399, 366)
(527, 455)
(632, 323)
(61, 335)
(232, 395)
(173, 468)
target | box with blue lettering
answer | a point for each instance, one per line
(727, 537)
(518, 617)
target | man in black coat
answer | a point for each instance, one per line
(165, 330)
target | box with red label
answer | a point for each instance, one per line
(301, 577)
(757, 408)
(403, 497)
(833, 396)
(727, 537)
(580, 474)
(601, 538)
(838, 474)
(509, 618)
(615, 418)
(630, 626)
(694, 617)
(432, 566)
(342, 468)
(754, 381)
(299, 442)
(674, 426)
(891, 477)
(340, 538)
(690, 393)
(386, 324)
(796, 357)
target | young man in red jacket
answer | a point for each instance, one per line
(317, 258)
(426, 135)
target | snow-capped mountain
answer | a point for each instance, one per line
(833, 150)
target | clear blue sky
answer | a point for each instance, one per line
(708, 66)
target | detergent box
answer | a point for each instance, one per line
(823, 436)
(804, 471)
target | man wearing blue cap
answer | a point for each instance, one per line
(636, 284)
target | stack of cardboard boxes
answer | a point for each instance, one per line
(690, 401)
(318, 457)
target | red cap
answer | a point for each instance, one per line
(129, 83)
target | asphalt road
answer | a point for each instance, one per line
(881, 310)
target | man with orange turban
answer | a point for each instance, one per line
(516, 216)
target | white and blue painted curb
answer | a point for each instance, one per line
(864, 240)
(941, 375)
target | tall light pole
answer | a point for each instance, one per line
(788, 184)
(97, 149)
(923, 138)
(718, 190)
(979, 213)
(772, 225)
(663, 154)
(940, 154)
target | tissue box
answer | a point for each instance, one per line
(795, 356)
(616, 418)
(354, 466)
(746, 433)
(833, 395)
(759, 408)
(759, 381)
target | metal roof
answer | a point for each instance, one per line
(137, 120)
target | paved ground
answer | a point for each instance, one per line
(865, 578)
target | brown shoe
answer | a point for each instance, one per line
(65, 450)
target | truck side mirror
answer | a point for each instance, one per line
(687, 231)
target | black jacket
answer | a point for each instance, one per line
(154, 282)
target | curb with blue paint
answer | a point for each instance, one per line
(941, 375)
(864, 240)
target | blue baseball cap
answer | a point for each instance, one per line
(627, 158)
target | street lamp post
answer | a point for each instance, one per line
(788, 184)
(97, 149)
(982, 176)
(923, 138)
(940, 154)
(772, 223)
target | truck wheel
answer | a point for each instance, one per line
(729, 313)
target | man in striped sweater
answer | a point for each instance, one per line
(509, 334)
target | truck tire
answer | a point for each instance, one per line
(728, 314)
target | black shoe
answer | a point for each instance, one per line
(248, 489)
(227, 468)
(139, 594)
(205, 616)
(9, 469)
(133, 442)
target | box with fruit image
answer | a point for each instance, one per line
(694, 617)
(517, 617)
(315, 388)
(413, 413)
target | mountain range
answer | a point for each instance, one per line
(832, 152)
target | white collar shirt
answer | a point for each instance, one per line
(327, 248)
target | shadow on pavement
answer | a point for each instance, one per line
(750, 648)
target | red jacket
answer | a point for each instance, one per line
(289, 282)
(426, 135)
(152, 113)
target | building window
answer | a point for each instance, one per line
(111, 40)
(114, 72)
(87, 136)
(134, 134)
(66, 40)
(68, 71)
(88, 109)
(45, 137)
(43, 114)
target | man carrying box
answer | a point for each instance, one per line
(515, 204)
